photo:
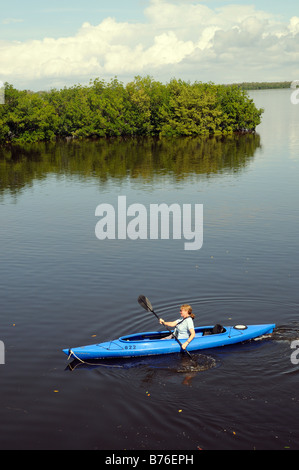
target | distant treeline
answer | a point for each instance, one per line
(263, 85)
(143, 107)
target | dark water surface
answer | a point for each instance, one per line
(61, 287)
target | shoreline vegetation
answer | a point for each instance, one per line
(142, 107)
(263, 85)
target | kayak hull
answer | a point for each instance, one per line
(153, 342)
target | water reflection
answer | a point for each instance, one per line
(170, 365)
(277, 105)
(137, 158)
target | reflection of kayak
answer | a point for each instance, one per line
(151, 343)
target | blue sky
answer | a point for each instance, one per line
(33, 19)
(60, 43)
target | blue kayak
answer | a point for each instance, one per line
(153, 342)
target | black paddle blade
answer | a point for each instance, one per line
(145, 303)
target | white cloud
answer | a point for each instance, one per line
(294, 25)
(183, 39)
(11, 20)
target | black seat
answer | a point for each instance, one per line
(217, 329)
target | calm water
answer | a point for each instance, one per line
(62, 287)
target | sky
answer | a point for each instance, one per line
(46, 45)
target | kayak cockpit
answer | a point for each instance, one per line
(145, 336)
(158, 335)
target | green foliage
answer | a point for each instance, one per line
(263, 85)
(143, 107)
(238, 110)
(27, 117)
(190, 110)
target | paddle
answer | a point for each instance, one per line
(145, 303)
